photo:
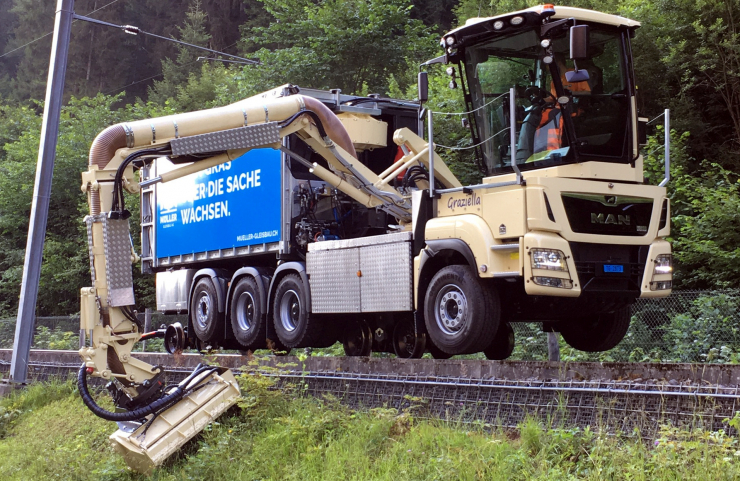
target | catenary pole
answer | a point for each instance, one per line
(41, 191)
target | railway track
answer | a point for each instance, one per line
(620, 398)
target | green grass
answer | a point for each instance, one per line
(46, 433)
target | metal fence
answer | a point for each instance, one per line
(687, 326)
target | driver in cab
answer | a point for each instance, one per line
(542, 129)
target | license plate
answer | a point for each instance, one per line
(614, 268)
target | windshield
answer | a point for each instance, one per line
(598, 107)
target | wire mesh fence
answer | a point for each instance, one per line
(687, 326)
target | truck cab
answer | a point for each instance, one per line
(562, 226)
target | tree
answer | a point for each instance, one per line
(439, 13)
(66, 265)
(687, 58)
(176, 72)
(705, 213)
(353, 45)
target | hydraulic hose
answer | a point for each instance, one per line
(310, 113)
(157, 406)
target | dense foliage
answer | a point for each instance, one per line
(687, 58)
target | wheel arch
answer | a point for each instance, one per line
(438, 254)
(218, 276)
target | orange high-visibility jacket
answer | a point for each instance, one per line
(549, 134)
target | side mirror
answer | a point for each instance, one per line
(642, 126)
(579, 42)
(423, 87)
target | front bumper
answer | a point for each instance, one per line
(596, 269)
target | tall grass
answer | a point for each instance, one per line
(280, 435)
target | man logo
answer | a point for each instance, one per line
(610, 219)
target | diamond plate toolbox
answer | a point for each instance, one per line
(368, 274)
(117, 244)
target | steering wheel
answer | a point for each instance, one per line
(540, 96)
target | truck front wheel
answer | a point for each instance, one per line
(247, 315)
(598, 332)
(294, 325)
(461, 315)
(206, 320)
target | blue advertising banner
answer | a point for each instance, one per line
(234, 204)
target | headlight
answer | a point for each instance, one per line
(664, 264)
(450, 41)
(498, 24)
(550, 259)
(517, 20)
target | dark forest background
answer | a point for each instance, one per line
(687, 58)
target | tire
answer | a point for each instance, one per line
(502, 345)
(208, 323)
(294, 325)
(357, 339)
(436, 352)
(599, 332)
(248, 315)
(461, 315)
(406, 343)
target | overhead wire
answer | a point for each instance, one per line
(178, 67)
(49, 33)
(135, 30)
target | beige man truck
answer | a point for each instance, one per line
(297, 218)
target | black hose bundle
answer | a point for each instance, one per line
(418, 172)
(156, 407)
(310, 113)
(118, 201)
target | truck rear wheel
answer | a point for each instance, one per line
(247, 314)
(599, 332)
(294, 325)
(206, 320)
(502, 345)
(357, 338)
(407, 343)
(461, 315)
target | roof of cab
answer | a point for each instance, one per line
(561, 12)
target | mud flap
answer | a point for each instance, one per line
(149, 445)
